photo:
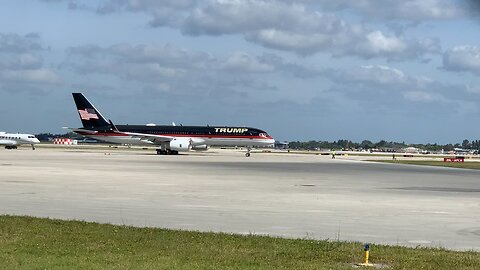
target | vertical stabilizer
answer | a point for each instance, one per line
(90, 116)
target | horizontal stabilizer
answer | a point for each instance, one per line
(81, 130)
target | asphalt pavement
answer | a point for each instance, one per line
(298, 196)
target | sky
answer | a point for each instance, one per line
(300, 69)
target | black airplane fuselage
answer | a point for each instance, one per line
(208, 135)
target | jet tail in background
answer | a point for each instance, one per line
(90, 116)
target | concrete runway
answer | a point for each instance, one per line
(300, 196)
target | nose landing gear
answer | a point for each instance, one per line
(248, 152)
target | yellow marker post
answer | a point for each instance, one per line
(367, 255)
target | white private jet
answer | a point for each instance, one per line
(12, 140)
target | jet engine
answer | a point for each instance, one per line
(181, 145)
(202, 147)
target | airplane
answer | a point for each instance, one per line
(13, 140)
(171, 139)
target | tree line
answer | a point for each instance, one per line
(367, 145)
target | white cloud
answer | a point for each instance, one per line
(29, 61)
(300, 43)
(156, 61)
(179, 70)
(377, 75)
(219, 17)
(301, 27)
(30, 76)
(388, 86)
(148, 71)
(239, 61)
(377, 43)
(419, 10)
(420, 96)
(17, 61)
(473, 89)
(14, 43)
(21, 63)
(462, 58)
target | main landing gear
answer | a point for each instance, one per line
(166, 152)
(10, 147)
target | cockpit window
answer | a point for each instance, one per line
(31, 137)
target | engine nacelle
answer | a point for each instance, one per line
(181, 145)
(202, 147)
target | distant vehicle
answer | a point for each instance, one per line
(171, 139)
(13, 140)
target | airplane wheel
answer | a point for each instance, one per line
(161, 152)
(247, 154)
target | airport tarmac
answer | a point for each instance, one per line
(288, 195)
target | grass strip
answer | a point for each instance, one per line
(460, 165)
(37, 243)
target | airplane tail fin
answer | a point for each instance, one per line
(90, 116)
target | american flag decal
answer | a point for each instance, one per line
(88, 114)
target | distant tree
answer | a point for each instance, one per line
(466, 144)
(366, 144)
(448, 147)
(343, 144)
(44, 137)
(381, 144)
(476, 144)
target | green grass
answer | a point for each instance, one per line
(461, 165)
(33, 243)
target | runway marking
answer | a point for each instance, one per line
(19, 181)
(439, 189)
(432, 212)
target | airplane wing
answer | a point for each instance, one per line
(156, 139)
